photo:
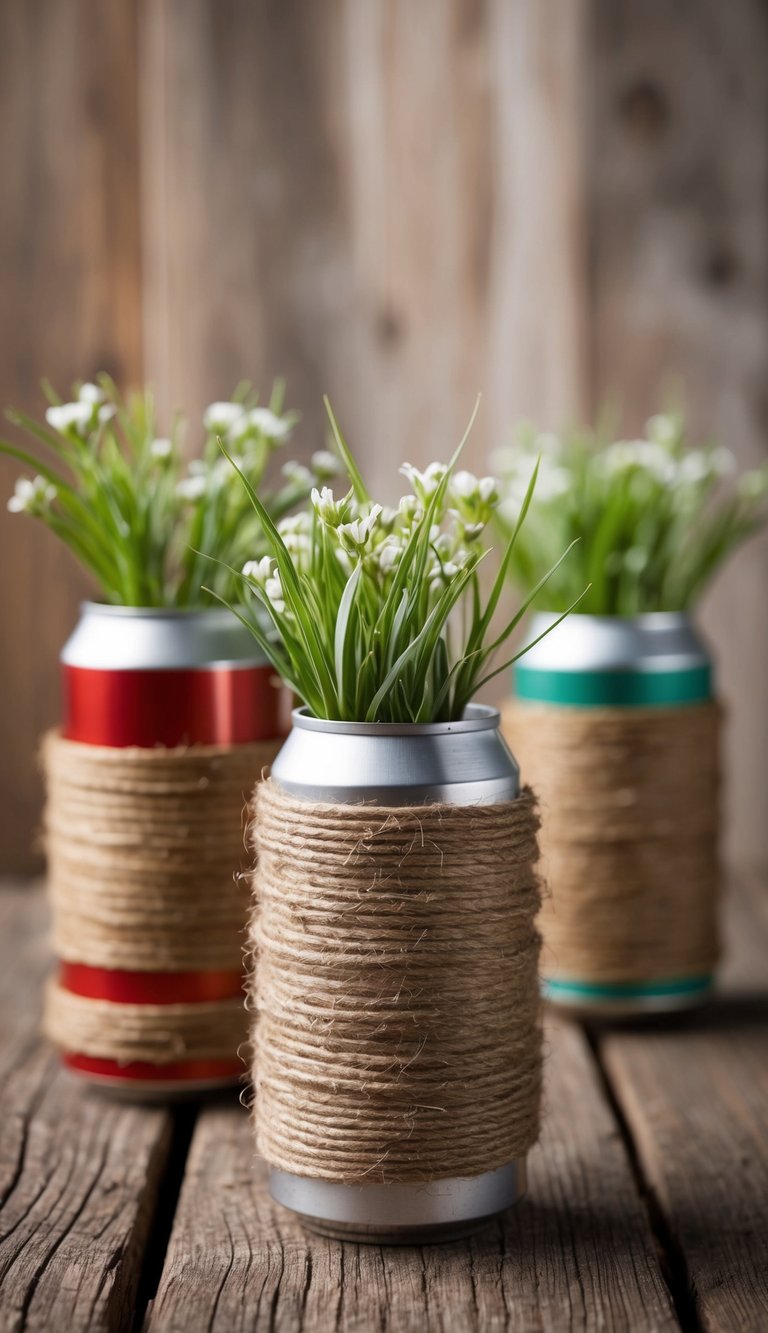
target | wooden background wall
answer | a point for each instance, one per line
(552, 201)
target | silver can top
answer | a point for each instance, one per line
(459, 763)
(659, 641)
(131, 638)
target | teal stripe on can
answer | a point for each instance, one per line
(632, 990)
(612, 689)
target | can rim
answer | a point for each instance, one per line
(645, 619)
(478, 717)
(218, 613)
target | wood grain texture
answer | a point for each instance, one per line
(577, 1254)
(69, 272)
(381, 205)
(678, 182)
(79, 1175)
(695, 1097)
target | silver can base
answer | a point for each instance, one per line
(398, 1214)
(153, 1092)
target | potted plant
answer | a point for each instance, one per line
(397, 1051)
(615, 715)
(167, 704)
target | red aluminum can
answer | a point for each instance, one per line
(135, 676)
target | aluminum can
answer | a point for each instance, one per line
(655, 660)
(458, 763)
(146, 676)
(135, 676)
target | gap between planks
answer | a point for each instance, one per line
(692, 1095)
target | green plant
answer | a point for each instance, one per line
(652, 518)
(129, 507)
(377, 613)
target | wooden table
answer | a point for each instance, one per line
(647, 1206)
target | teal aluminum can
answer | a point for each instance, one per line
(657, 660)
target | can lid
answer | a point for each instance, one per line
(126, 638)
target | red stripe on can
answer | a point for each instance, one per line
(189, 706)
(182, 1071)
(101, 983)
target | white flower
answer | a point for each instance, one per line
(161, 448)
(635, 559)
(694, 467)
(67, 417)
(440, 575)
(471, 532)
(298, 545)
(647, 455)
(219, 418)
(443, 544)
(409, 509)
(325, 465)
(328, 509)
(273, 591)
(269, 424)
(106, 412)
(387, 519)
(31, 496)
(449, 570)
(663, 429)
(389, 554)
(464, 485)
(259, 570)
(298, 474)
(354, 536)
(91, 393)
(476, 499)
(192, 488)
(424, 483)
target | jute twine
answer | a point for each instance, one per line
(397, 1036)
(629, 840)
(144, 846)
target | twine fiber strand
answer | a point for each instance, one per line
(144, 846)
(157, 1034)
(396, 960)
(629, 843)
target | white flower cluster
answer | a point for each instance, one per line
(377, 537)
(81, 418)
(203, 476)
(235, 423)
(32, 496)
(658, 459)
(244, 430)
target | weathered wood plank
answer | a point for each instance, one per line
(69, 273)
(577, 1254)
(678, 180)
(695, 1097)
(385, 207)
(79, 1175)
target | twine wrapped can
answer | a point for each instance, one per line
(615, 722)
(168, 717)
(397, 1049)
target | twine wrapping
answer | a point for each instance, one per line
(629, 840)
(396, 986)
(143, 849)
